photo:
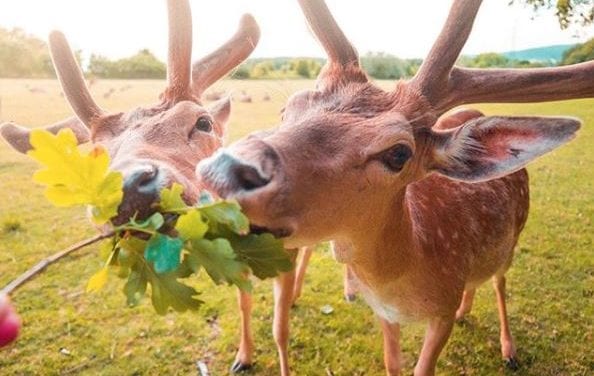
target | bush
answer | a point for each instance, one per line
(579, 53)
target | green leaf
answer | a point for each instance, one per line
(220, 262)
(135, 287)
(154, 222)
(167, 292)
(132, 244)
(225, 215)
(191, 225)
(164, 252)
(171, 198)
(264, 254)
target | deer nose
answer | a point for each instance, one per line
(228, 175)
(142, 180)
(247, 177)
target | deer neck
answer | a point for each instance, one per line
(384, 249)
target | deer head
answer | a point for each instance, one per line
(346, 150)
(158, 145)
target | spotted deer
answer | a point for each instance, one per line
(422, 211)
(154, 146)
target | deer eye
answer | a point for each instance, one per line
(395, 157)
(203, 124)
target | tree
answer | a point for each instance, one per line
(489, 59)
(262, 70)
(241, 73)
(305, 68)
(384, 66)
(568, 11)
(22, 55)
(141, 65)
(579, 53)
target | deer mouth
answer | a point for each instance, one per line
(278, 233)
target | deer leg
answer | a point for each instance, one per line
(349, 285)
(300, 273)
(466, 304)
(438, 332)
(508, 348)
(243, 359)
(391, 334)
(283, 298)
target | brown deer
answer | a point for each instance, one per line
(154, 146)
(421, 213)
(157, 145)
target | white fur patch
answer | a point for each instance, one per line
(384, 310)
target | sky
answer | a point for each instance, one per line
(405, 28)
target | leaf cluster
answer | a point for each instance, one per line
(164, 250)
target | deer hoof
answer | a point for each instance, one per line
(350, 297)
(512, 364)
(239, 367)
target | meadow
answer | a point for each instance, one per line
(69, 332)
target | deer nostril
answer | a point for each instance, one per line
(142, 179)
(148, 176)
(248, 178)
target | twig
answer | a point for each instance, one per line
(40, 266)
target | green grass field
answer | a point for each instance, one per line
(550, 285)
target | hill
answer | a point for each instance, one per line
(551, 54)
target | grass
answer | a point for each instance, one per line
(550, 285)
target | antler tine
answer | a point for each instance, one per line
(180, 48)
(209, 69)
(436, 67)
(518, 85)
(72, 80)
(324, 26)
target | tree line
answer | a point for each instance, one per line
(22, 55)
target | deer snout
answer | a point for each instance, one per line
(142, 185)
(228, 175)
(142, 180)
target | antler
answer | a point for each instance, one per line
(72, 80)
(214, 66)
(325, 28)
(343, 60)
(434, 72)
(180, 49)
(518, 85)
(446, 86)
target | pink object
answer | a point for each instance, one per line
(10, 323)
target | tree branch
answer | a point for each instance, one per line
(40, 266)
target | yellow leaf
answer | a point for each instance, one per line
(73, 177)
(191, 225)
(171, 198)
(98, 280)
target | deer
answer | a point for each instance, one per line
(155, 146)
(422, 211)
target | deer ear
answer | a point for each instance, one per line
(490, 147)
(18, 137)
(220, 111)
